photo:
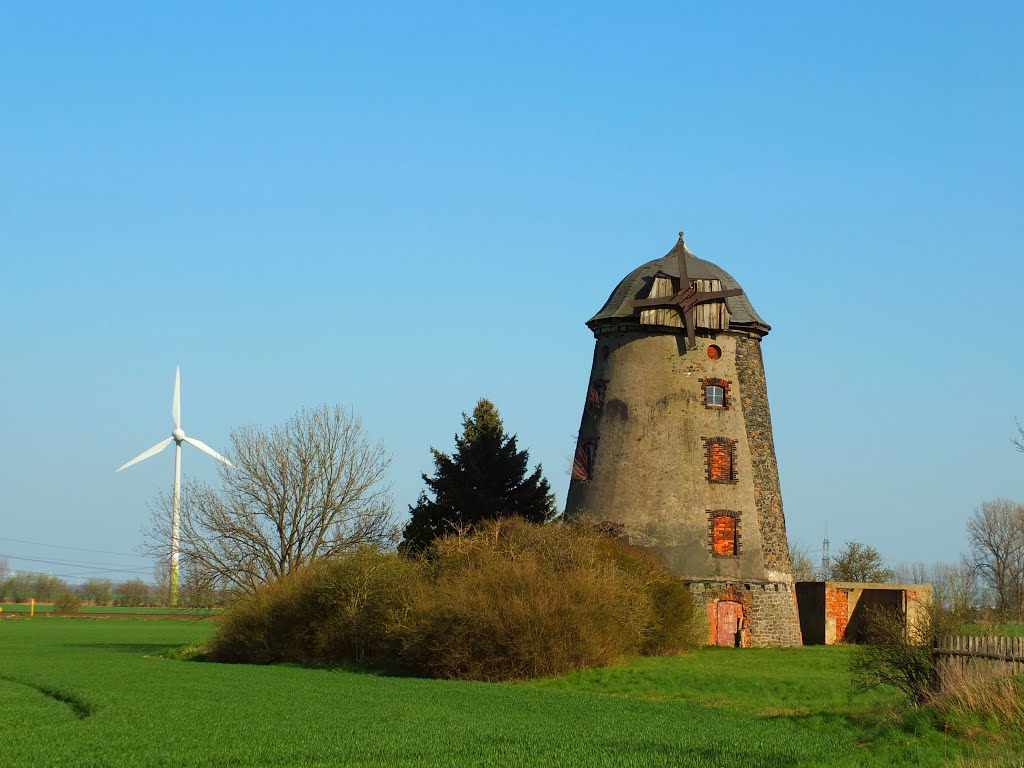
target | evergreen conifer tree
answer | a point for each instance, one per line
(485, 478)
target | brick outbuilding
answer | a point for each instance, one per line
(839, 611)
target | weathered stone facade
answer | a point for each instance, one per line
(688, 474)
(768, 612)
(758, 424)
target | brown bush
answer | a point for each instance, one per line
(67, 602)
(511, 600)
(341, 609)
(508, 600)
(673, 623)
(508, 619)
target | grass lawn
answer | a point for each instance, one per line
(49, 608)
(77, 692)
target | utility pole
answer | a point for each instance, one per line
(826, 561)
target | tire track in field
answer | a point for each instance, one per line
(81, 708)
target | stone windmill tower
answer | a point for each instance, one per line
(676, 447)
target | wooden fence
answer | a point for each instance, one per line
(955, 651)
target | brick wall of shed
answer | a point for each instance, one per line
(837, 607)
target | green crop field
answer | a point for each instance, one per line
(152, 611)
(88, 692)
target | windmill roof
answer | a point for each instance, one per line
(636, 285)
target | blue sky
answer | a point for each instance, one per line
(404, 207)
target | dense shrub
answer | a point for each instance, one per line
(48, 587)
(512, 600)
(99, 590)
(27, 585)
(508, 620)
(508, 600)
(133, 593)
(339, 609)
(68, 602)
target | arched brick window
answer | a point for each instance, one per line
(724, 532)
(720, 457)
(714, 393)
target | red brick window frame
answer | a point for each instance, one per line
(723, 532)
(720, 459)
(708, 400)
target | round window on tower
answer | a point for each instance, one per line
(714, 351)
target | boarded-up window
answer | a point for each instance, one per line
(724, 533)
(663, 287)
(713, 315)
(720, 455)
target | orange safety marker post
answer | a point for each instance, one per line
(32, 608)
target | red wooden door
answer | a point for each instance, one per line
(730, 621)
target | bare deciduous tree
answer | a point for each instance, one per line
(98, 590)
(5, 579)
(200, 589)
(912, 573)
(954, 585)
(803, 566)
(995, 533)
(310, 488)
(134, 593)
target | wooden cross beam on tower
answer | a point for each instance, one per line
(687, 298)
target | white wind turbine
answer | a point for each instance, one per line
(178, 437)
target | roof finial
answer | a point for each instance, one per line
(681, 233)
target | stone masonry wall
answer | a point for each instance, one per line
(770, 618)
(767, 492)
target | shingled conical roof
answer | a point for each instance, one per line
(637, 284)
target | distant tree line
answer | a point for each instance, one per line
(46, 588)
(988, 577)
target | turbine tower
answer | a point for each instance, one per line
(178, 437)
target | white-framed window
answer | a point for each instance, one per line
(714, 396)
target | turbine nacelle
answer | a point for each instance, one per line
(178, 436)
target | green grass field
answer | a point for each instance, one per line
(86, 692)
(47, 608)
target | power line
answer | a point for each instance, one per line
(72, 575)
(108, 567)
(79, 549)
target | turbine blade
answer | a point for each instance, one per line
(146, 454)
(176, 403)
(207, 449)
